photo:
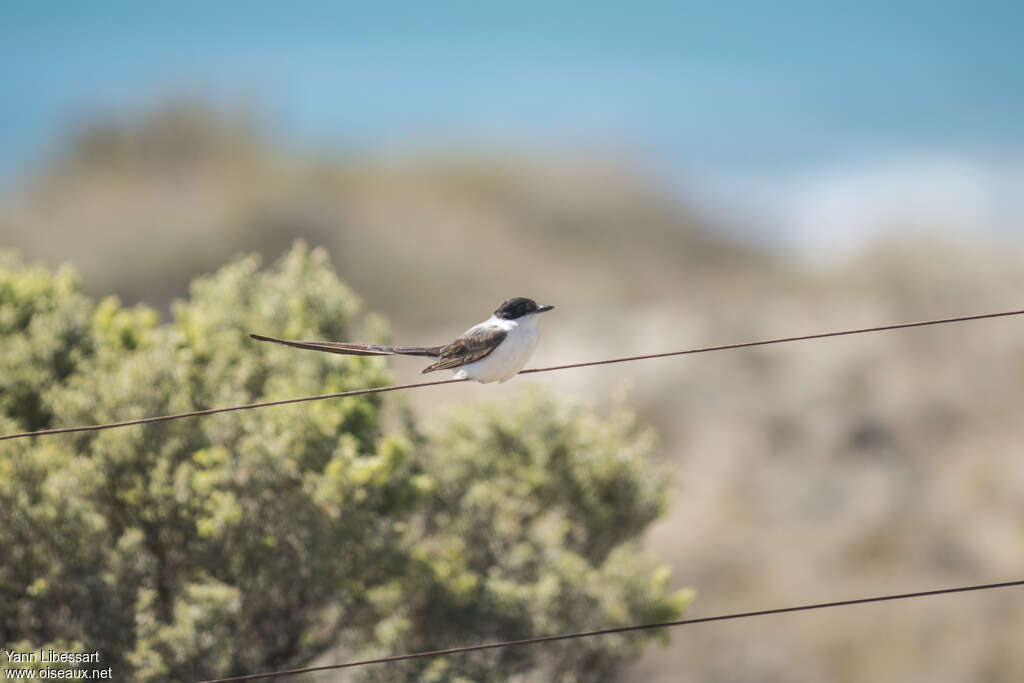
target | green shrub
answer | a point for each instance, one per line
(254, 540)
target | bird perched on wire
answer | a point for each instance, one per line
(492, 351)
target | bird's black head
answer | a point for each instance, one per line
(518, 307)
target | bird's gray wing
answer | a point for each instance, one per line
(355, 349)
(475, 344)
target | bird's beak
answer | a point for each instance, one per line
(545, 307)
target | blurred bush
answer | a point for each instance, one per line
(255, 540)
(128, 198)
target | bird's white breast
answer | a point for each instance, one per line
(510, 356)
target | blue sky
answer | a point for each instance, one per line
(708, 91)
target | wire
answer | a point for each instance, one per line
(782, 340)
(214, 411)
(621, 629)
(397, 387)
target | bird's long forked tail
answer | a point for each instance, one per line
(347, 349)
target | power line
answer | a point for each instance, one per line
(214, 411)
(621, 629)
(397, 387)
(782, 340)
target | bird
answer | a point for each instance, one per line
(492, 351)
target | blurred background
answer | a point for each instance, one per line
(706, 172)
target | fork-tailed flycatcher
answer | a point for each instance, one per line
(493, 351)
